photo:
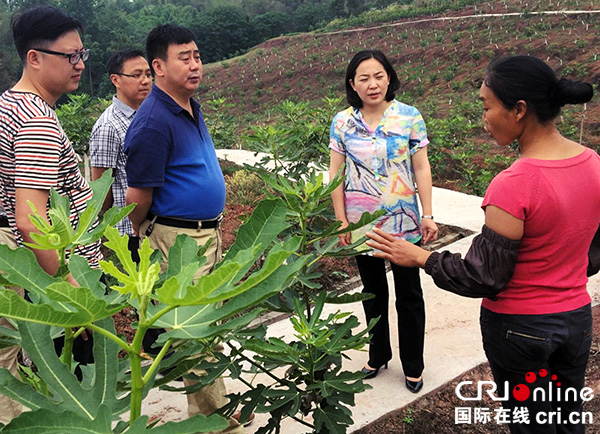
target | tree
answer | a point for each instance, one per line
(269, 25)
(309, 15)
(77, 117)
(222, 32)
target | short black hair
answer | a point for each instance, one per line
(351, 95)
(530, 79)
(40, 25)
(160, 37)
(117, 59)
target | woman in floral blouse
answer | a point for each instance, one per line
(381, 144)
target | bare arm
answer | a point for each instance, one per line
(336, 161)
(143, 198)
(403, 253)
(48, 259)
(422, 170)
(109, 201)
(503, 223)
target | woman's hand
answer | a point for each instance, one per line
(430, 230)
(396, 250)
(345, 239)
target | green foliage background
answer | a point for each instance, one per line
(224, 28)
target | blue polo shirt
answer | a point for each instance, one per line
(171, 151)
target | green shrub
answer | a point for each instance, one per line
(245, 187)
(78, 116)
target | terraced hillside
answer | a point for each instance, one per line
(440, 60)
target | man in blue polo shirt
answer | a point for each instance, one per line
(172, 169)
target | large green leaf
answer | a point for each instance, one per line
(93, 206)
(267, 221)
(196, 322)
(331, 418)
(47, 422)
(105, 366)
(223, 276)
(60, 381)
(175, 288)
(274, 261)
(181, 254)
(365, 218)
(333, 298)
(15, 307)
(20, 268)
(196, 424)
(82, 300)
(199, 321)
(109, 219)
(277, 281)
(335, 382)
(25, 394)
(86, 276)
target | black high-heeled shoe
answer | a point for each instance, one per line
(414, 386)
(372, 373)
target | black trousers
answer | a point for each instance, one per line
(410, 308)
(535, 353)
(133, 245)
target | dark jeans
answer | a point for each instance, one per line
(410, 309)
(558, 343)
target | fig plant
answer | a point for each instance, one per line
(281, 236)
(193, 312)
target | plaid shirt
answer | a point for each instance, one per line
(106, 150)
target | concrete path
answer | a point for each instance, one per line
(452, 342)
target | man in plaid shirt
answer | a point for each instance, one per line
(130, 74)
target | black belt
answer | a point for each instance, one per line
(4, 222)
(186, 224)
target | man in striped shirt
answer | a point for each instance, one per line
(130, 74)
(35, 153)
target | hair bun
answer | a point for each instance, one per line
(571, 92)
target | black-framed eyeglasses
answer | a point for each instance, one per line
(73, 57)
(137, 75)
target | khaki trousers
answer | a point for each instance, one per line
(9, 409)
(212, 397)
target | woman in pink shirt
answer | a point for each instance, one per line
(530, 263)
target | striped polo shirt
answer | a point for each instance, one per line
(35, 153)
